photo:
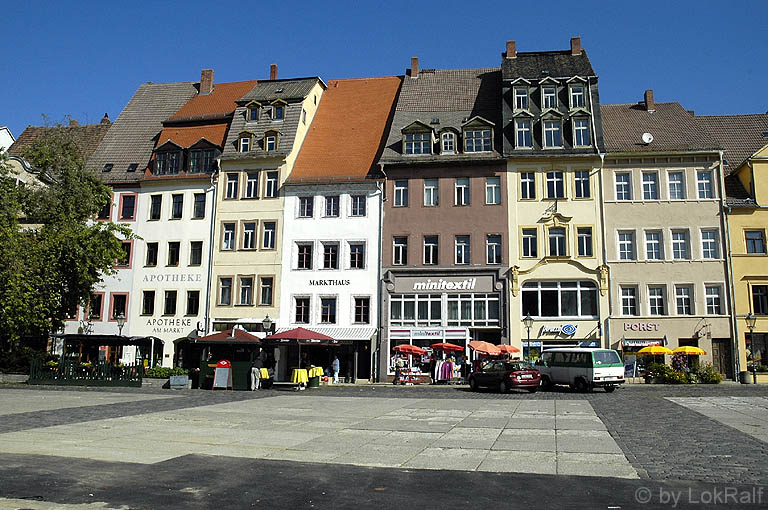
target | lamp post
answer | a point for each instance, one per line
(528, 323)
(751, 320)
(120, 323)
(266, 324)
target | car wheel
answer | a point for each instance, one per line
(472, 384)
(502, 387)
(546, 383)
(532, 390)
(609, 389)
(581, 385)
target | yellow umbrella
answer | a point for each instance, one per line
(654, 350)
(690, 351)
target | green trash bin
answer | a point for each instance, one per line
(314, 382)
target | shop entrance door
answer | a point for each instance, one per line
(721, 356)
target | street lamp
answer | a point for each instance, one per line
(528, 323)
(266, 324)
(120, 323)
(751, 320)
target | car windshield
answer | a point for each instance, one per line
(604, 357)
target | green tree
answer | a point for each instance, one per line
(52, 253)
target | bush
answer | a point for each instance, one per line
(658, 371)
(18, 360)
(164, 372)
(677, 377)
(708, 374)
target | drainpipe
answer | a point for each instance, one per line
(207, 317)
(725, 211)
(381, 187)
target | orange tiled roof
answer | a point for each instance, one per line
(348, 129)
(186, 136)
(220, 101)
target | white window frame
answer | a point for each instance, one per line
(399, 251)
(554, 177)
(493, 251)
(623, 189)
(228, 236)
(710, 298)
(401, 193)
(584, 239)
(657, 243)
(549, 100)
(572, 95)
(493, 185)
(650, 187)
(232, 191)
(328, 202)
(306, 207)
(677, 194)
(462, 250)
(245, 144)
(704, 187)
(521, 98)
(629, 300)
(461, 195)
(561, 241)
(527, 186)
(268, 235)
(555, 128)
(626, 245)
(678, 242)
(431, 249)
(245, 292)
(684, 299)
(582, 137)
(270, 143)
(657, 301)
(583, 182)
(710, 248)
(417, 144)
(448, 143)
(249, 235)
(431, 192)
(530, 243)
(270, 182)
(524, 128)
(252, 185)
(478, 140)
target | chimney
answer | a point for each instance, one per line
(650, 105)
(414, 67)
(206, 81)
(105, 119)
(511, 49)
(273, 71)
(575, 45)
(73, 122)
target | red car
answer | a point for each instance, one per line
(505, 375)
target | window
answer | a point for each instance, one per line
(477, 140)
(581, 181)
(676, 186)
(523, 134)
(653, 246)
(252, 185)
(270, 186)
(193, 302)
(581, 136)
(530, 242)
(629, 301)
(95, 304)
(125, 258)
(680, 245)
(233, 180)
(557, 242)
(198, 211)
(268, 234)
(577, 96)
(270, 142)
(201, 161)
(302, 310)
(555, 185)
(358, 205)
(195, 253)
(119, 305)
(330, 256)
(151, 254)
(521, 98)
(246, 290)
(167, 163)
(155, 207)
(755, 241)
(106, 211)
(266, 290)
(305, 256)
(278, 112)
(623, 186)
(683, 300)
(470, 309)
(704, 184)
(493, 248)
(461, 188)
(560, 299)
(404, 310)
(431, 192)
(709, 248)
(148, 302)
(550, 97)
(400, 251)
(249, 235)
(418, 143)
(328, 310)
(362, 310)
(332, 206)
(228, 237)
(448, 143)
(253, 113)
(528, 186)
(430, 250)
(552, 135)
(713, 296)
(170, 303)
(225, 291)
(174, 247)
(760, 299)
(356, 256)
(305, 207)
(493, 190)
(462, 250)
(127, 210)
(650, 186)
(656, 301)
(626, 246)
(177, 207)
(401, 193)
(245, 144)
(584, 241)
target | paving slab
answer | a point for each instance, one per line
(536, 440)
(586, 441)
(593, 464)
(380, 455)
(468, 438)
(465, 459)
(536, 422)
(520, 462)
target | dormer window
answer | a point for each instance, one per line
(278, 112)
(577, 96)
(477, 140)
(552, 133)
(201, 160)
(448, 143)
(581, 136)
(270, 141)
(253, 114)
(521, 98)
(549, 97)
(167, 163)
(523, 134)
(418, 143)
(245, 144)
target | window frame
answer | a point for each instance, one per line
(622, 243)
(270, 182)
(710, 248)
(400, 193)
(582, 184)
(432, 249)
(228, 236)
(245, 290)
(527, 186)
(268, 234)
(399, 250)
(494, 248)
(304, 255)
(651, 187)
(629, 303)
(585, 232)
(529, 243)
(494, 188)
(448, 143)
(357, 261)
(306, 207)
(655, 310)
(417, 143)
(303, 304)
(709, 299)
(355, 208)
(232, 187)
(659, 243)
(523, 133)
(676, 243)
(221, 288)
(264, 287)
(431, 192)
(709, 187)
(555, 127)
(251, 184)
(177, 206)
(579, 130)
(684, 301)
(754, 243)
(682, 195)
(553, 179)
(461, 192)
(481, 137)
(335, 211)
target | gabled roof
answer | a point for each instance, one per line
(187, 136)
(221, 102)
(673, 129)
(88, 137)
(347, 131)
(740, 136)
(287, 90)
(540, 64)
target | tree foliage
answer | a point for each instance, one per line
(52, 253)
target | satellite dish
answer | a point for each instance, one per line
(647, 138)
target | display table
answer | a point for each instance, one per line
(410, 376)
(264, 373)
(299, 376)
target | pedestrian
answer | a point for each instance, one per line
(256, 367)
(399, 365)
(335, 366)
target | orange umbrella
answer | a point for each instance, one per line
(508, 349)
(447, 347)
(408, 349)
(481, 347)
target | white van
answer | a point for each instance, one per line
(581, 368)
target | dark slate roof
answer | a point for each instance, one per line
(736, 195)
(292, 90)
(739, 135)
(131, 138)
(557, 64)
(673, 129)
(449, 96)
(88, 137)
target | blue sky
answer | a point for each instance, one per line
(86, 58)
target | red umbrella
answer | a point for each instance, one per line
(230, 336)
(507, 349)
(408, 349)
(301, 336)
(447, 347)
(481, 347)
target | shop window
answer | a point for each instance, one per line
(473, 310)
(416, 310)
